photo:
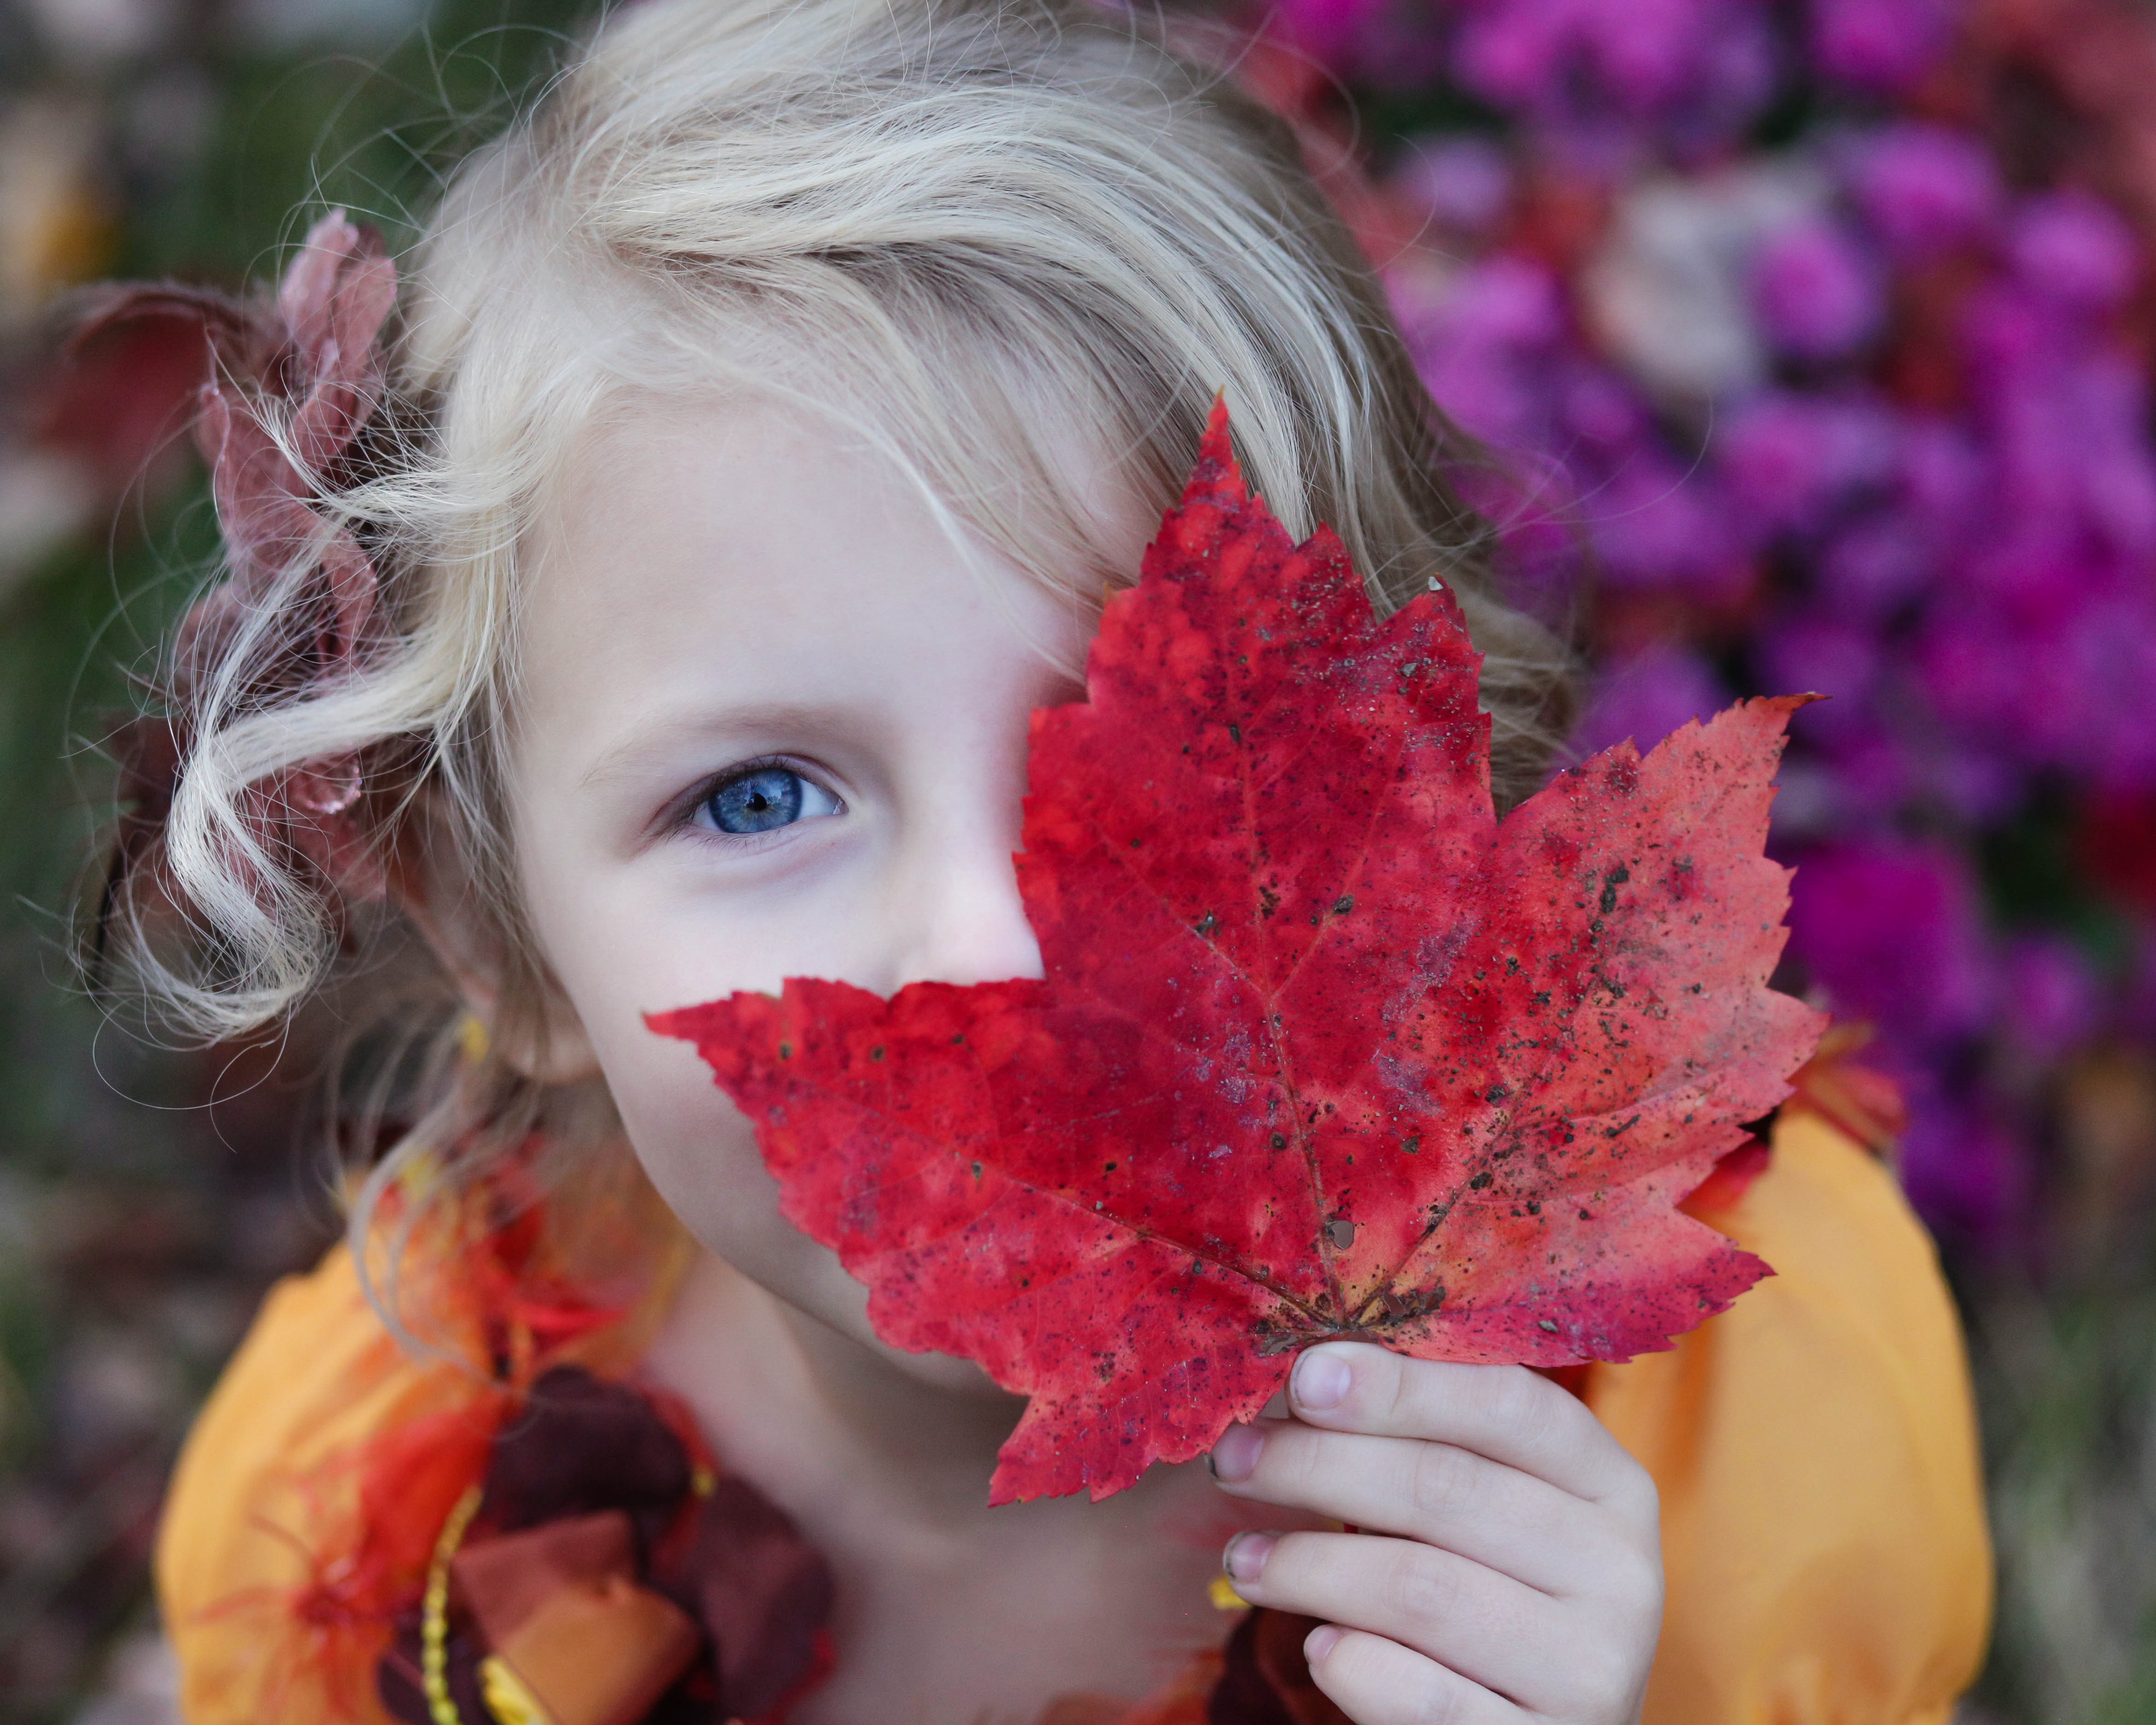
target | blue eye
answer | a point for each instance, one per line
(765, 799)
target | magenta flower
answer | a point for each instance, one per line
(2075, 250)
(2050, 997)
(1966, 1168)
(1792, 460)
(1881, 44)
(1924, 189)
(1889, 929)
(1817, 293)
(1647, 695)
(1876, 564)
(1600, 82)
(1327, 30)
(1817, 652)
(1656, 525)
(1464, 183)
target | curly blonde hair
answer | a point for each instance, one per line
(927, 217)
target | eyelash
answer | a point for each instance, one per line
(685, 816)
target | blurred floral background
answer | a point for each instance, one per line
(1812, 342)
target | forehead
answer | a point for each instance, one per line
(704, 558)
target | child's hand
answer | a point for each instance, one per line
(1525, 1584)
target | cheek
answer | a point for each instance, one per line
(700, 1150)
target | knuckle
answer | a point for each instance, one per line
(1399, 1383)
(1642, 1589)
(1438, 1487)
(1518, 1403)
(1422, 1589)
(1637, 1495)
(1602, 1672)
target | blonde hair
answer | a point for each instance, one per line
(957, 225)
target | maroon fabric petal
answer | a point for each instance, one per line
(290, 384)
(763, 1594)
(1264, 1679)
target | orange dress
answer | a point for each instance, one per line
(1815, 1446)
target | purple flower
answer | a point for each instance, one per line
(2051, 1000)
(1873, 772)
(2075, 250)
(1790, 458)
(1875, 565)
(1486, 347)
(1889, 928)
(1327, 30)
(1817, 653)
(1656, 525)
(1463, 182)
(1881, 44)
(1647, 696)
(1967, 1170)
(1596, 80)
(1596, 407)
(1980, 786)
(1943, 476)
(1817, 293)
(1924, 189)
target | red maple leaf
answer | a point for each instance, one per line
(1323, 1047)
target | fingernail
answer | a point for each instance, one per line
(1235, 1456)
(1320, 1380)
(1320, 1641)
(1245, 1558)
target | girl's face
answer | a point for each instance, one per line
(771, 724)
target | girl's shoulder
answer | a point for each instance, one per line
(1814, 1446)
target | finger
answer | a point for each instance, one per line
(1496, 1515)
(1376, 1682)
(1466, 1617)
(1507, 1413)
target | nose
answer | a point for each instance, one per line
(957, 916)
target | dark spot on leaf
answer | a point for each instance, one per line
(1236, 731)
(1496, 1093)
(785, 1050)
(1412, 1143)
(1343, 905)
(1279, 1141)
(876, 1053)
(1480, 1181)
(1205, 925)
(1341, 1232)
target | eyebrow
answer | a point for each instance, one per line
(808, 719)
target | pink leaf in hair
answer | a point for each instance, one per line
(335, 299)
(293, 382)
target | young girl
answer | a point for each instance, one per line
(647, 605)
